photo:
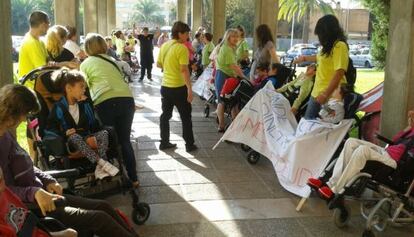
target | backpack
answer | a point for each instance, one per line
(350, 74)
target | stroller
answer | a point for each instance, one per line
(52, 153)
(393, 202)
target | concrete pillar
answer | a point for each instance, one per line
(66, 12)
(266, 12)
(102, 17)
(399, 73)
(196, 14)
(182, 10)
(6, 64)
(90, 16)
(219, 19)
(111, 15)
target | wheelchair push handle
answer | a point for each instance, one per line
(60, 202)
(384, 139)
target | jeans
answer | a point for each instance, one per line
(149, 69)
(119, 113)
(312, 110)
(91, 216)
(171, 97)
(219, 83)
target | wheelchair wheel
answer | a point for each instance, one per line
(206, 111)
(141, 213)
(368, 233)
(341, 216)
(245, 148)
(253, 157)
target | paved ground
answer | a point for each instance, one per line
(217, 193)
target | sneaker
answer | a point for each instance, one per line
(314, 183)
(190, 148)
(108, 167)
(150, 79)
(100, 173)
(326, 193)
(168, 145)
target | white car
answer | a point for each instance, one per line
(361, 57)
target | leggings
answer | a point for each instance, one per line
(80, 144)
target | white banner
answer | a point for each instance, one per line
(297, 151)
(202, 86)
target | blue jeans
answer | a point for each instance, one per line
(119, 113)
(219, 82)
(312, 110)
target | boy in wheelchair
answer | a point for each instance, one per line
(355, 155)
(72, 117)
(31, 185)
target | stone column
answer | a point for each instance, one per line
(111, 15)
(399, 74)
(266, 12)
(66, 12)
(219, 19)
(6, 64)
(90, 16)
(196, 14)
(182, 10)
(102, 17)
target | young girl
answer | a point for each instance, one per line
(333, 111)
(262, 71)
(73, 117)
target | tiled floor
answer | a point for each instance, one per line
(217, 192)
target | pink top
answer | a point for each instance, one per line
(396, 151)
(190, 50)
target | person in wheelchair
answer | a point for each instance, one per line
(32, 185)
(355, 155)
(17, 220)
(298, 90)
(333, 110)
(72, 117)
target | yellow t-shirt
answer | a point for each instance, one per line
(327, 65)
(32, 55)
(172, 56)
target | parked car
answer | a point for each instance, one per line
(362, 57)
(297, 50)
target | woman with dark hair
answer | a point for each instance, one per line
(266, 51)
(332, 63)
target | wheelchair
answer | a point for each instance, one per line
(52, 153)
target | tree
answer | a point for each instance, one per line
(380, 10)
(21, 10)
(240, 12)
(147, 11)
(207, 12)
(302, 9)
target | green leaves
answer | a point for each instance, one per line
(298, 8)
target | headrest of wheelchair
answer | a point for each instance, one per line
(69, 173)
(351, 104)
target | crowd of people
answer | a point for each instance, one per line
(101, 67)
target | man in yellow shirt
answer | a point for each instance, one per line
(33, 52)
(176, 86)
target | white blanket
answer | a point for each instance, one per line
(202, 86)
(297, 151)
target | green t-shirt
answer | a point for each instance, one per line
(226, 57)
(120, 45)
(171, 57)
(242, 50)
(104, 80)
(208, 48)
(327, 65)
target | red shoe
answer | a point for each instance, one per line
(326, 193)
(314, 183)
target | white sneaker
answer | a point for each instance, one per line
(108, 167)
(100, 172)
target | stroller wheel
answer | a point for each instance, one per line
(206, 111)
(341, 216)
(141, 213)
(368, 233)
(253, 157)
(245, 148)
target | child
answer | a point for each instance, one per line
(333, 111)
(278, 74)
(299, 89)
(72, 116)
(262, 71)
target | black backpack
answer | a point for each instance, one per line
(351, 74)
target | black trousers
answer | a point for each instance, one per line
(177, 97)
(147, 68)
